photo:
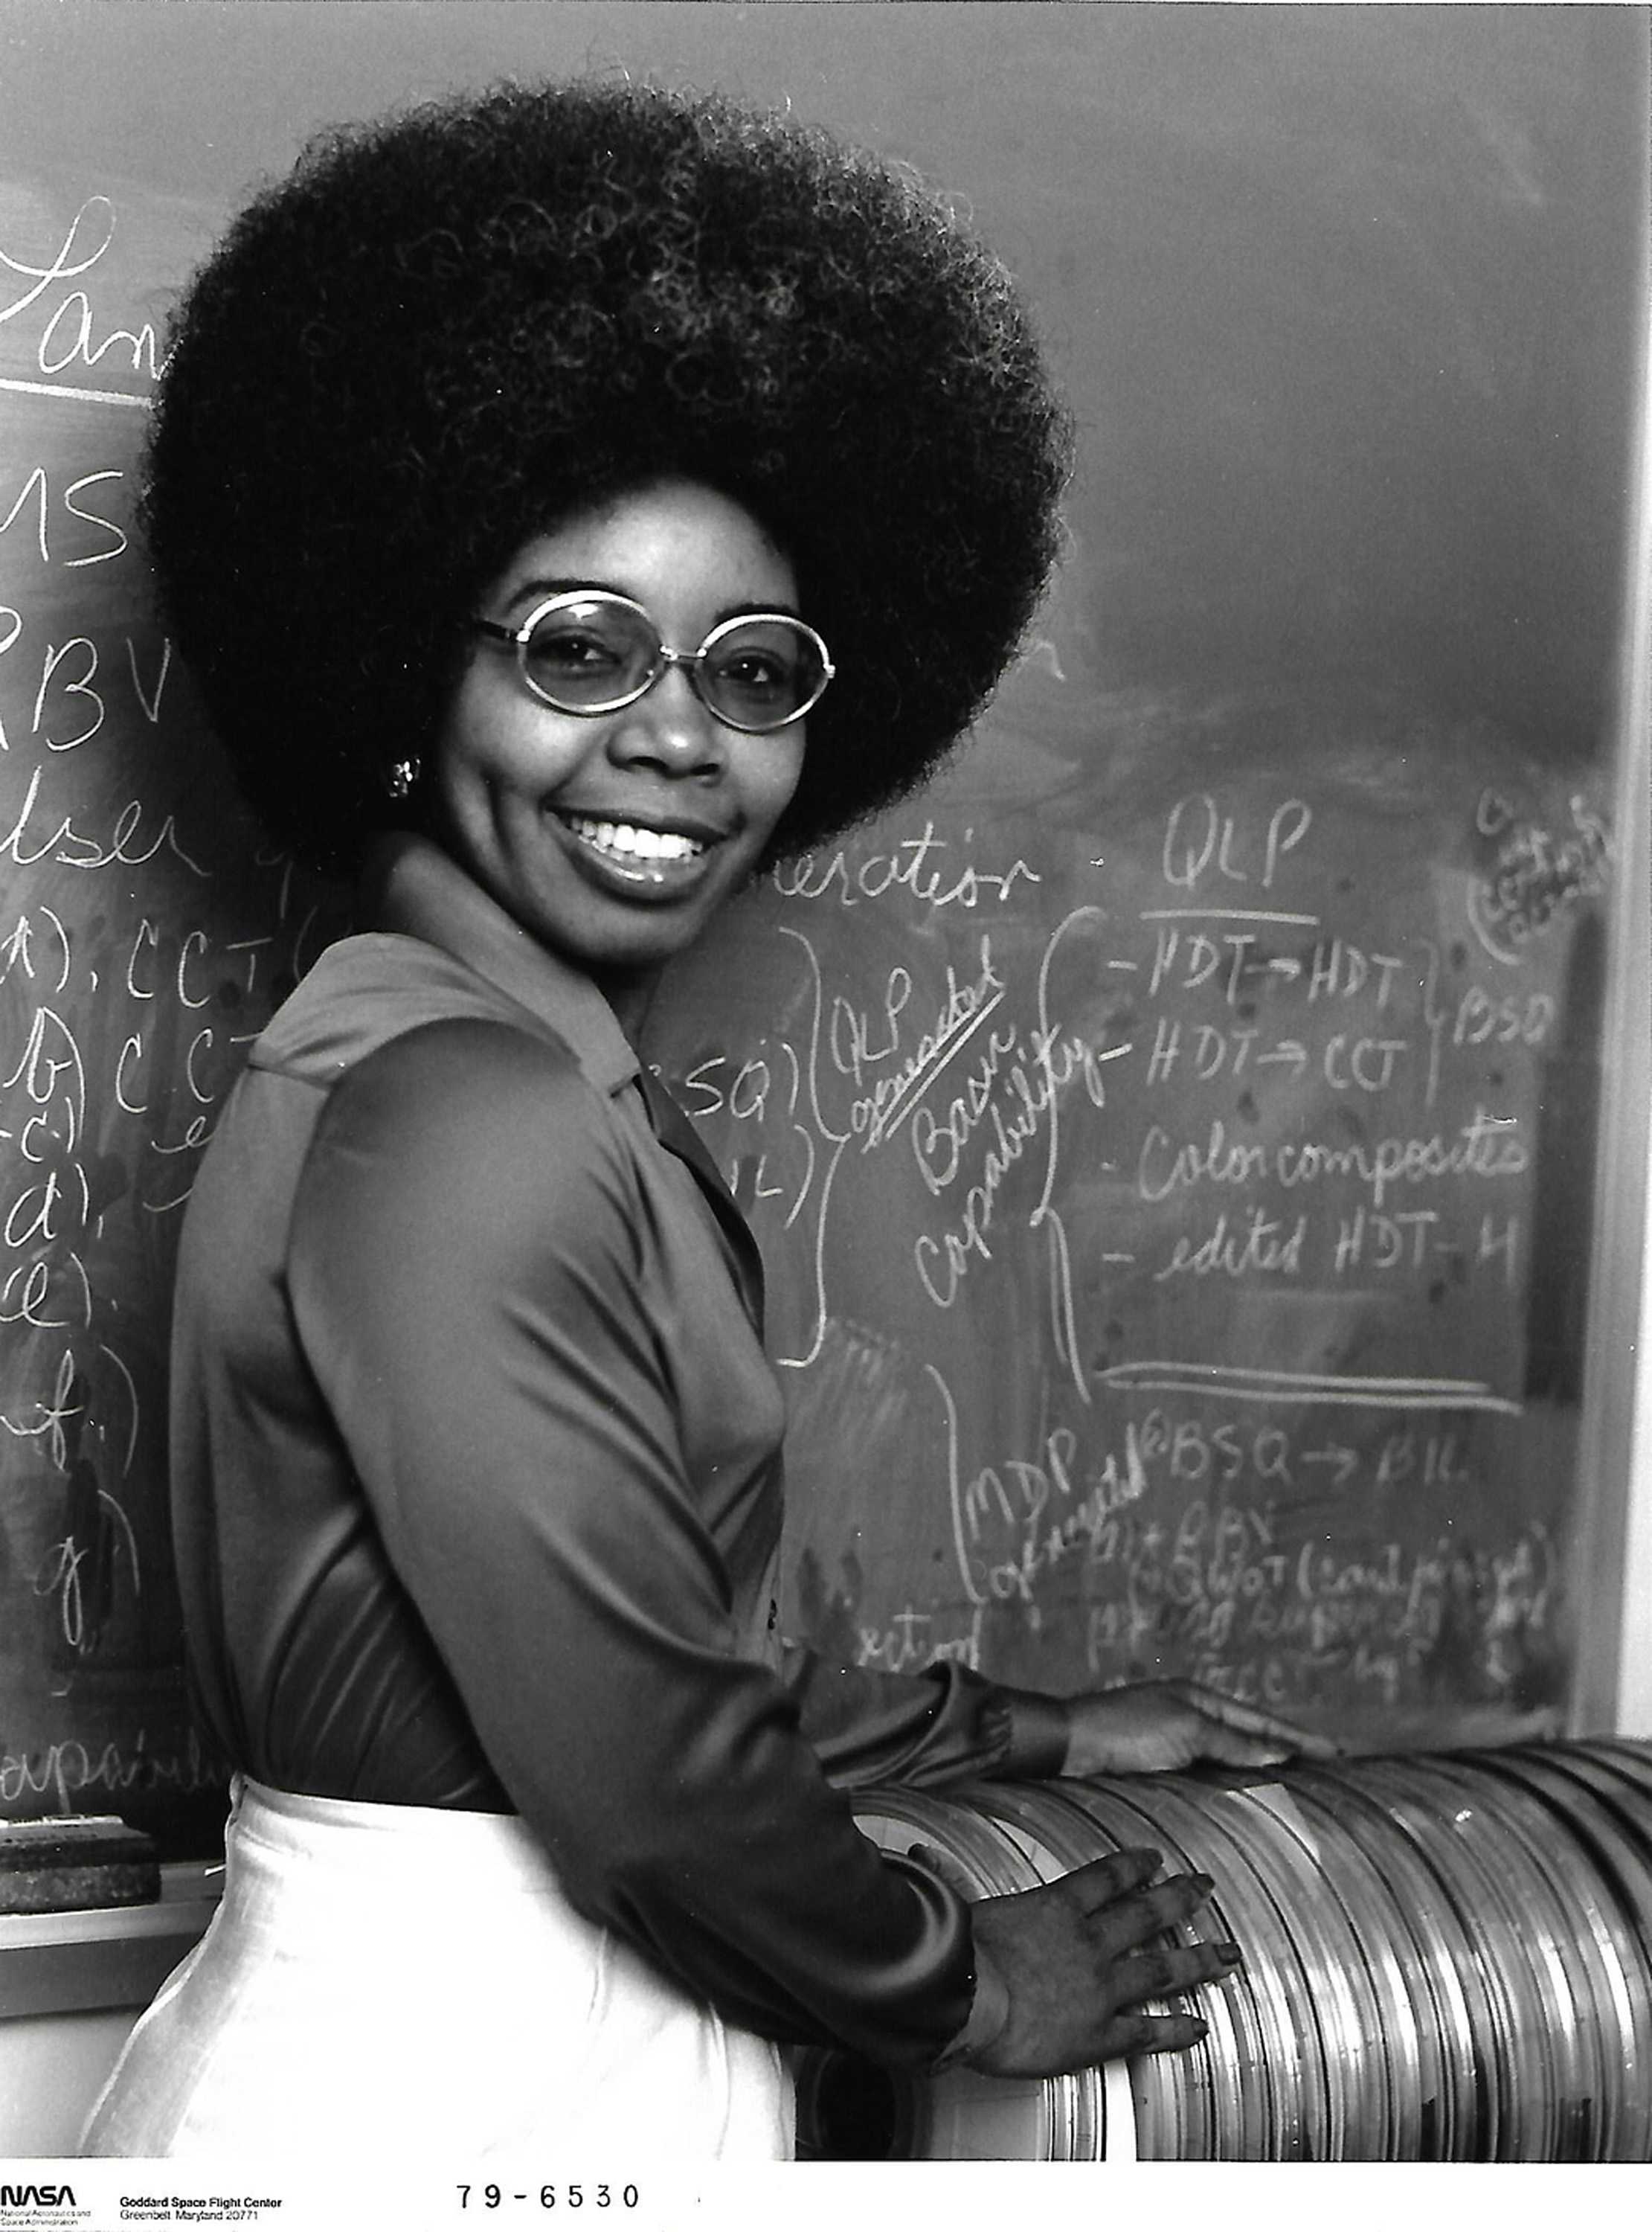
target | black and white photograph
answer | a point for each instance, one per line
(826, 1098)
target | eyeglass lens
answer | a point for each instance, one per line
(588, 655)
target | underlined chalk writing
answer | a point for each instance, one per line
(71, 330)
(1196, 1193)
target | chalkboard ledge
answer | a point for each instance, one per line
(113, 1956)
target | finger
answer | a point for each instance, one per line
(1232, 1713)
(1159, 1909)
(1230, 1749)
(1165, 1972)
(942, 1864)
(1251, 1721)
(1096, 1884)
(1138, 2032)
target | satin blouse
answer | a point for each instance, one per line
(477, 1483)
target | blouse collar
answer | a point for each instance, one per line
(410, 886)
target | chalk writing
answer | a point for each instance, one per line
(926, 868)
(1488, 1146)
(1537, 875)
(1276, 1385)
(145, 940)
(1221, 1081)
(1012, 1521)
(1262, 1610)
(63, 1772)
(38, 487)
(129, 841)
(911, 1642)
(1201, 842)
(72, 331)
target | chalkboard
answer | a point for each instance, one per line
(1177, 1140)
(146, 930)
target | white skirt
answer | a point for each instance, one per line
(415, 1978)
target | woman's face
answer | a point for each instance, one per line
(613, 838)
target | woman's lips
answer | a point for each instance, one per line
(631, 841)
(639, 857)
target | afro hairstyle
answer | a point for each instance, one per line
(451, 330)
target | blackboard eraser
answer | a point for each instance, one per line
(75, 1860)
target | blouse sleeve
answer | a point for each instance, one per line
(463, 1271)
(944, 1725)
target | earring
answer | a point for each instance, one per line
(402, 775)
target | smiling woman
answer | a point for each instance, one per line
(647, 487)
(613, 834)
(489, 314)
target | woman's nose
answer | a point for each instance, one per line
(671, 724)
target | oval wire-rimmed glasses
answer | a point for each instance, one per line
(588, 652)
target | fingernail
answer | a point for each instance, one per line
(1230, 1953)
(1203, 1884)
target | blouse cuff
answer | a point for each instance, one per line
(989, 2013)
(1037, 1729)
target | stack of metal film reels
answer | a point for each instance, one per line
(1447, 1959)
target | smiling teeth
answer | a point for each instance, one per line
(626, 842)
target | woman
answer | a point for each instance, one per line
(567, 501)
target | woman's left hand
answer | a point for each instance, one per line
(1145, 1727)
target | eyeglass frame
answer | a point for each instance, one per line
(665, 657)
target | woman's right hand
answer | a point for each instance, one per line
(1072, 1963)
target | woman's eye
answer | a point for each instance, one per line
(756, 671)
(567, 650)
